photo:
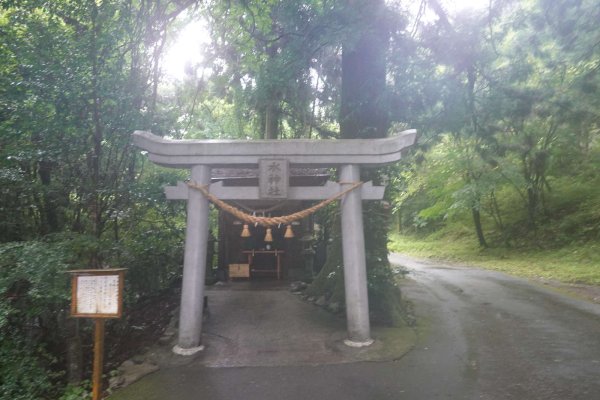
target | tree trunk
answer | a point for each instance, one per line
(272, 101)
(49, 211)
(532, 205)
(272, 120)
(363, 112)
(96, 138)
(478, 228)
(329, 282)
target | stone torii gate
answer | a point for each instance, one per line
(199, 156)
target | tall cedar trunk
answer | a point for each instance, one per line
(272, 106)
(363, 114)
(272, 120)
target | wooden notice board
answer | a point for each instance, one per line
(97, 293)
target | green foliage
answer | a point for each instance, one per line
(574, 263)
(34, 289)
(329, 280)
(34, 273)
(385, 304)
(153, 258)
(23, 371)
(513, 130)
(77, 392)
(76, 79)
(274, 70)
(148, 236)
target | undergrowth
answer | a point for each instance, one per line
(578, 262)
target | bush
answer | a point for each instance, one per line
(35, 291)
(23, 370)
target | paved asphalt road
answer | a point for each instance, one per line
(502, 337)
(482, 335)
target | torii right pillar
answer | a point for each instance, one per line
(355, 266)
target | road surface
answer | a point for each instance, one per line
(502, 337)
(482, 335)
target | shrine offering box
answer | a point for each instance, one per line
(239, 271)
(97, 293)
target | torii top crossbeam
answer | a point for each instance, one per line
(187, 153)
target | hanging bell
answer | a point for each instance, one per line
(245, 231)
(289, 233)
(269, 236)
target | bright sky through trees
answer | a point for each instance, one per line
(460, 5)
(186, 49)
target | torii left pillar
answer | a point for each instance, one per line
(194, 267)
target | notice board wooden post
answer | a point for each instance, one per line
(98, 358)
(97, 294)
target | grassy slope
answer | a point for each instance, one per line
(571, 264)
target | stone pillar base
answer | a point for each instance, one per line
(180, 351)
(358, 345)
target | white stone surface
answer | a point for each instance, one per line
(330, 189)
(187, 153)
(358, 345)
(194, 264)
(180, 351)
(355, 268)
